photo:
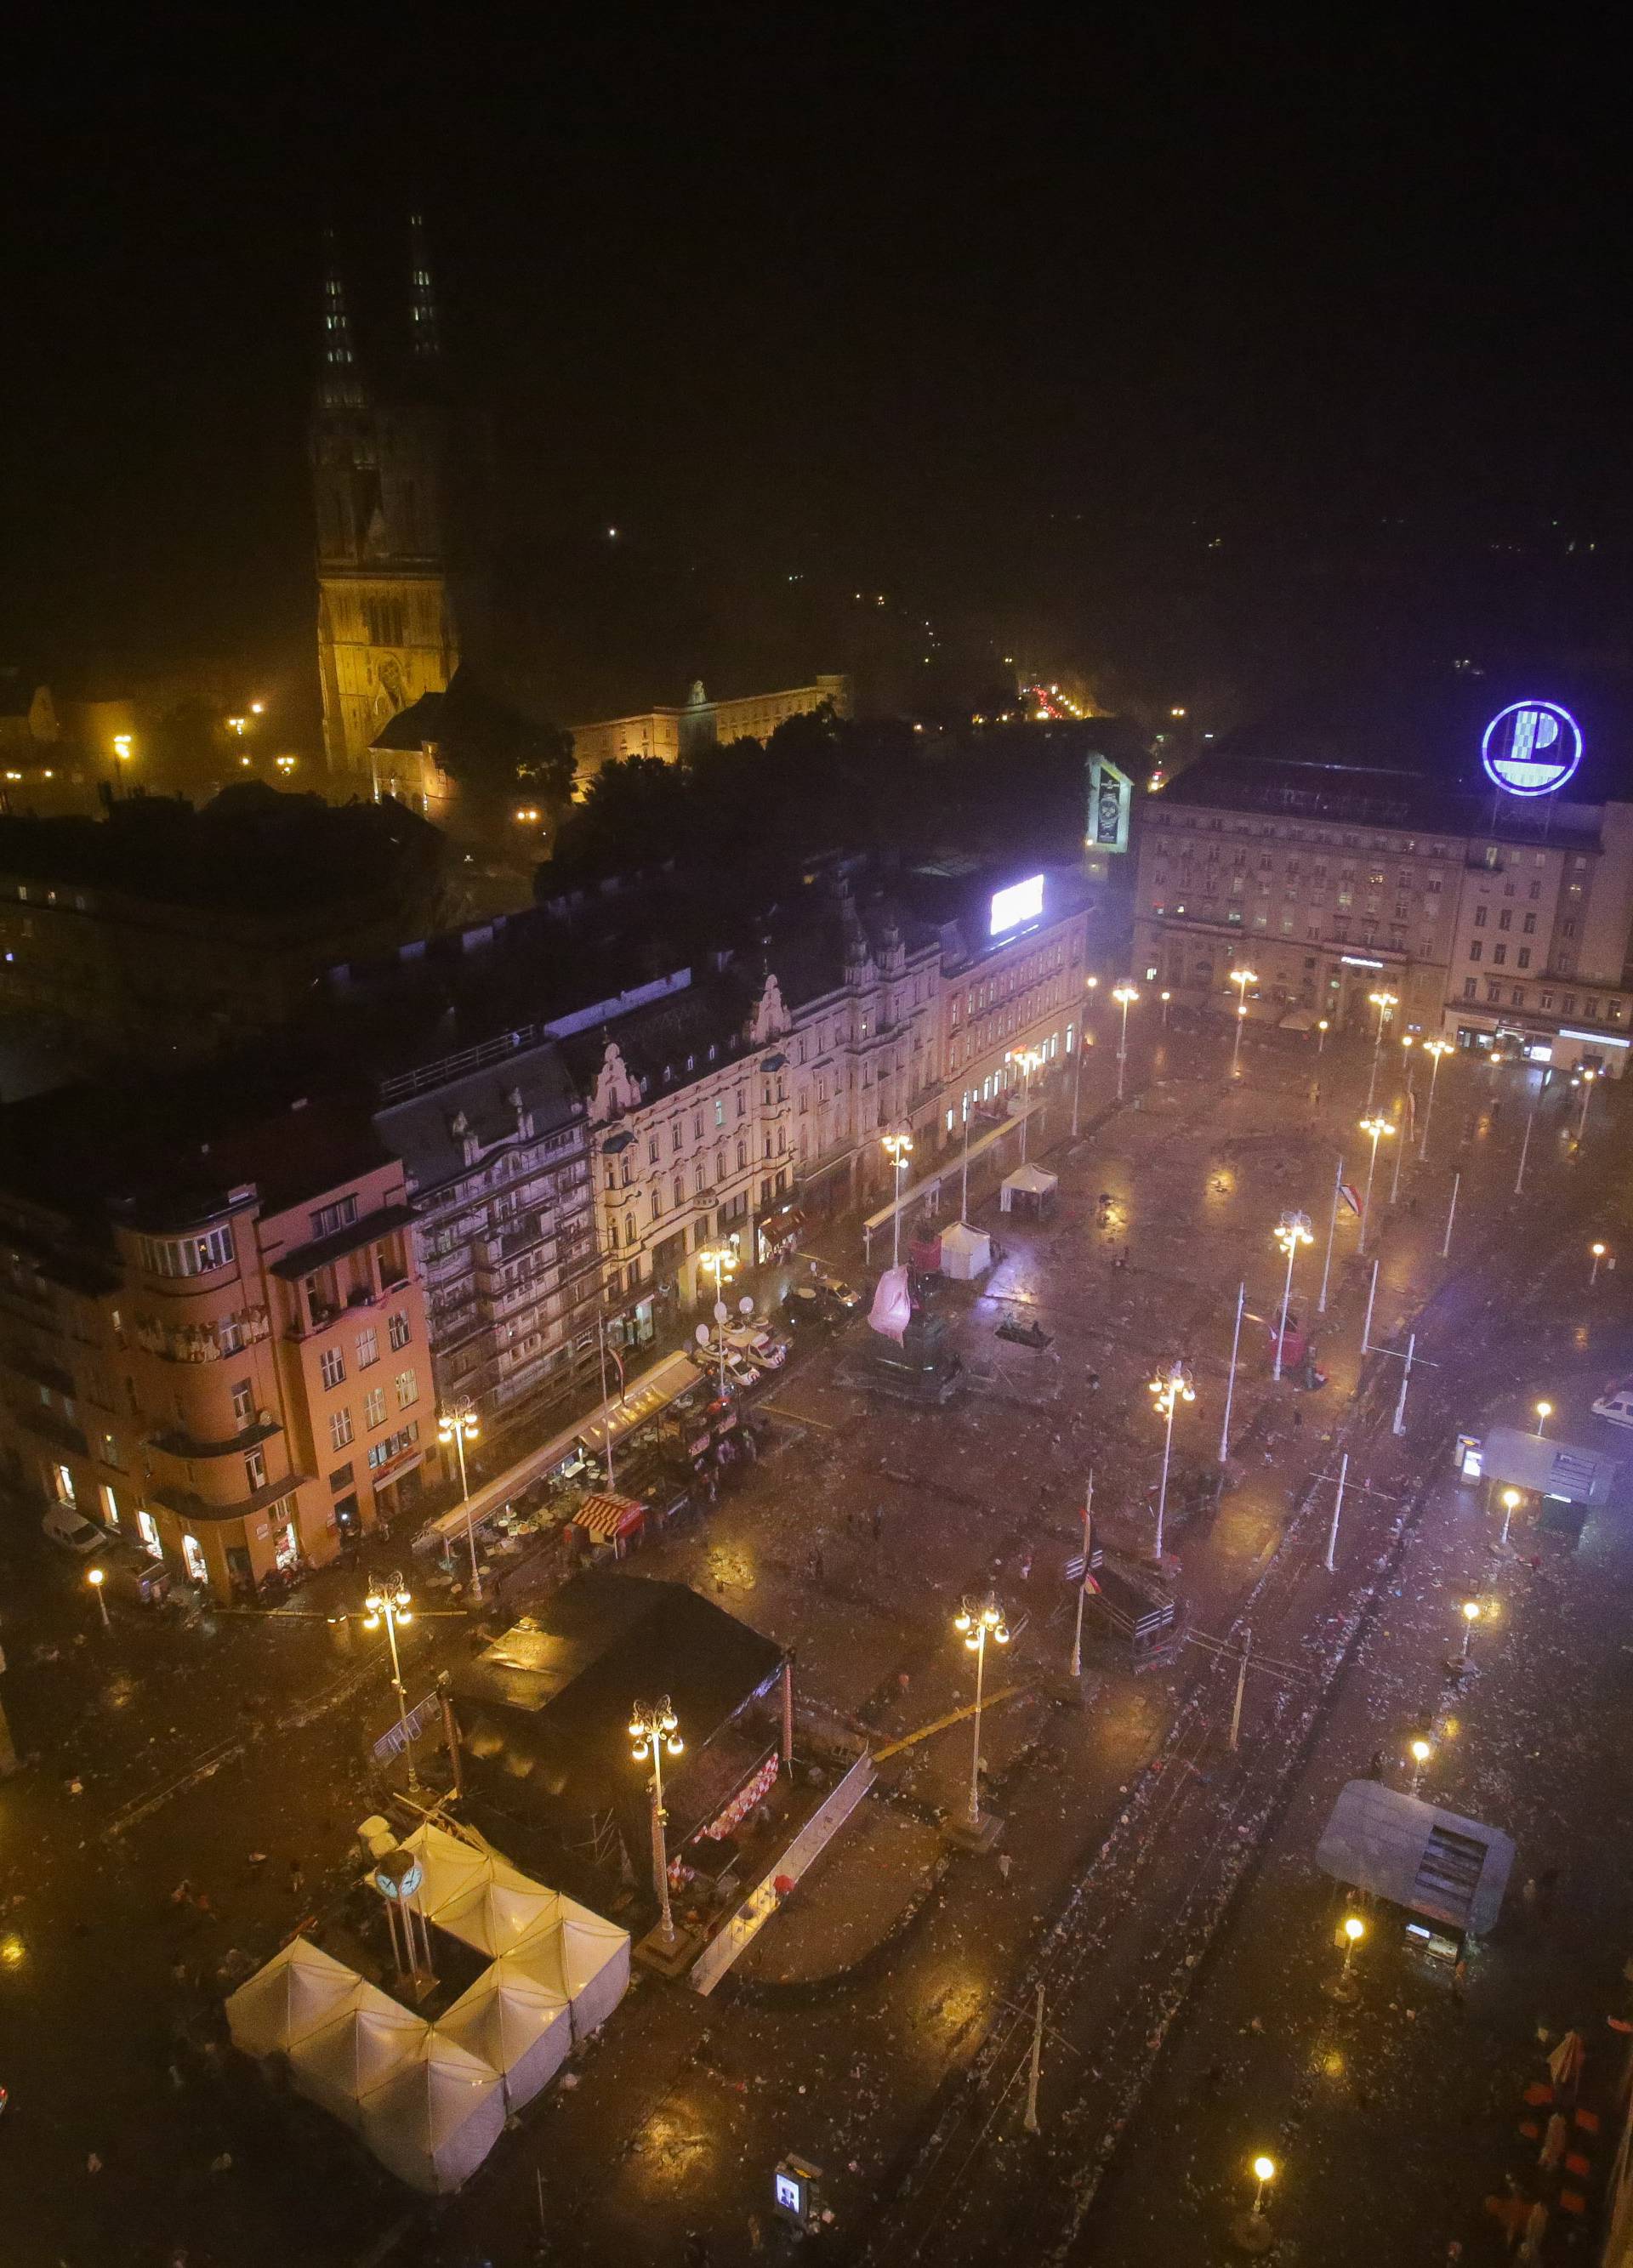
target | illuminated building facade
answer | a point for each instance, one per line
(1504, 922)
(230, 1373)
(386, 627)
(668, 734)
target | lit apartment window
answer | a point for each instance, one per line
(339, 1428)
(408, 1389)
(243, 1401)
(332, 1366)
(255, 1470)
(187, 1255)
(375, 1406)
(368, 1347)
(399, 1331)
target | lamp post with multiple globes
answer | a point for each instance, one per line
(459, 1425)
(1169, 1388)
(1435, 1049)
(1384, 1003)
(976, 1620)
(900, 1148)
(654, 1729)
(1125, 996)
(389, 1603)
(1241, 978)
(1376, 1128)
(1294, 1230)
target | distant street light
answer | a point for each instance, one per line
(1588, 1077)
(1293, 1232)
(1321, 1032)
(1090, 986)
(1029, 1059)
(1384, 1002)
(124, 747)
(976, 1620)
(1434, 1050)
(1470, 1611)
(1171, 1387)
(1598, 1252)
(1510, 1502)
(1165, 997)
(1125, 996)
(390, 1604)
(1545, 1410)
(720, 1261)
(458, 1425)
(1420, 1753)
(96, 1577)
(1342, 1987)
(1241, 978)
(654, 1728)
(900, 1147)
(1252, 2231)
(1376, 1128)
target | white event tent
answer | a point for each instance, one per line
(517, 2019)
(966, 1252)
(343, 2062)
(300, 1989)
(437, 2116)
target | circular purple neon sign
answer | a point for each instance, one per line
(1531, 747)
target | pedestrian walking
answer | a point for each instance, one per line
(297, 1878)
(1460, 1982)
(1004, 1864)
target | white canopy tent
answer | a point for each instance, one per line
(300, 1989)
(583, 1958)
(1031, 1184)
(437, 2116)
(518, 2021)
(346, 2060)
(494, 1915)
(966, 1252)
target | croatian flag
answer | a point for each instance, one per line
(1350, 1198)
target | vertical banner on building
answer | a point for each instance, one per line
(1110, 793)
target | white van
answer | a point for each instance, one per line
(1616, 1402)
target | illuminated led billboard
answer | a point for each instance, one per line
(1531, 747)
(1022, 902)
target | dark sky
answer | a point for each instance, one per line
(1175, 352)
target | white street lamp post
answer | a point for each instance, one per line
(1029, 1059)
(1173, 1387)
(1241, 978)
(900, 1147)
(1236, 1341)
(1545, 1410)
(1434, 1050)
(390, 1604)
(1293, 1232)
(976, 1620)
(1400, 1149)
(1321, 1039)
(1384, 1002)
(655, 1730)
(1376, 1128)
(1420, 1753)
(1598, 1252)
(459, 1426)
(1587, 1096)
(719, 1262)
(1125, 996)
(1090, 985)
(1083, 1588)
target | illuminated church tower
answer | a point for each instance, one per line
(385, 631)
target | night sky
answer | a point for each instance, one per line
(1194, 357)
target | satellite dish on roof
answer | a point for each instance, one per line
(721, 1311)
(702, 1335)
(746, 1305)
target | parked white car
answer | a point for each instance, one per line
(1616, 1402)
(72, 1530)
(759, 1345)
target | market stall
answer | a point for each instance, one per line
(1029, 1189)
(434, 2119)
(517, 2018)
(605, 1520)
(300, 1989)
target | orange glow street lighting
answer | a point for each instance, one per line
(1125, 996)
(390, 1604)
(1241, 978)
(1545, 1410)
(1385, 1003)
(1599, 1251)
(1376, 1128)
(976, 1620)
(96, 1577)
(654, 1728)
(1435, 1049)
(456, 1426)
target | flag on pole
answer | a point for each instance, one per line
(1411, 1101)
(1350, 1198)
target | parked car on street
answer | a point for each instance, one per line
(844, 1295)
(72, 1530)
(1616, 1402)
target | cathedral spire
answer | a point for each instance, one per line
(423, 335)
(340, 382)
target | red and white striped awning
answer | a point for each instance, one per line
(607, 1518)
(743, 1802)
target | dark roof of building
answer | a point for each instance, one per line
(413, 727)
(17, 688)
(668, 1043)
(560, 1689)
(421, 1129)
(1370, 795)
(164, 1154)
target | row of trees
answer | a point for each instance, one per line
(820, 782)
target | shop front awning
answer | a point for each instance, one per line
(607, 1518)
(1427, 1862)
